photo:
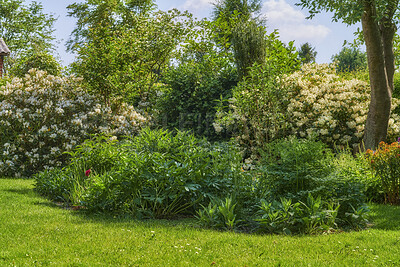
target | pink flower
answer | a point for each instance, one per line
(87, 173)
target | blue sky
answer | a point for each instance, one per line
(323, 34)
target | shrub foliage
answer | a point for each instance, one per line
(155, 174)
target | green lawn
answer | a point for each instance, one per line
(36, 232)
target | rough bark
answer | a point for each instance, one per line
(377, 42)
(388, 30)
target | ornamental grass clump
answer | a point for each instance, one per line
(330, 108)
(42, 116)
(385, 163)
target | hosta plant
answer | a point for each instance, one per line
(42, 116)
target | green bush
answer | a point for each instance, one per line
(255, 116)
(350, 59)
(192, 91)
(98, 154)
(155, 174)
(218, 214)
(256, 113)
(298, 186)
(285, 217)
(396, 89)
(312, 216)
(36, 60)
(293, 168)
(354, 173)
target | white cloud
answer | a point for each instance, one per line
(292, 23)
(304, 33)
(196, 5)
(199, 8)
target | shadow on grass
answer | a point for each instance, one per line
(109, 219)
(47, 203)
(28, 196)
(385, 217)
(23, 191)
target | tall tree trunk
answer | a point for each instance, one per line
(379, 109)
(388, 30)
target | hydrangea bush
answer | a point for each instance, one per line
(42, 116)
(332, 109)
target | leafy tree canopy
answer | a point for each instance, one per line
(307, 53)
(38, 60)
(25, 27)
(350, 59)
(120, 52)
(347, 11)
(103, 13)
(227, 8)
(242, 31)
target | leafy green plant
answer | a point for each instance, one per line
(36, 60)
(256, 112)
(219, 214)
(294, 168)
(227, 210)
(285, 217)
(155, 174)
(192, 90)
(357, 219)
(315, 217)
(98, 154)
(279, 217)
(396, 88)
(207, 216)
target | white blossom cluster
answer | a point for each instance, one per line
(330, 108)
(42, 116)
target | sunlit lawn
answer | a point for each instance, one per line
(36, 232)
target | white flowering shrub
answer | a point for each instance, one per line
(312, 102)
(42, 116)
(332, 109)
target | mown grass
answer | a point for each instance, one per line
(36, 232)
